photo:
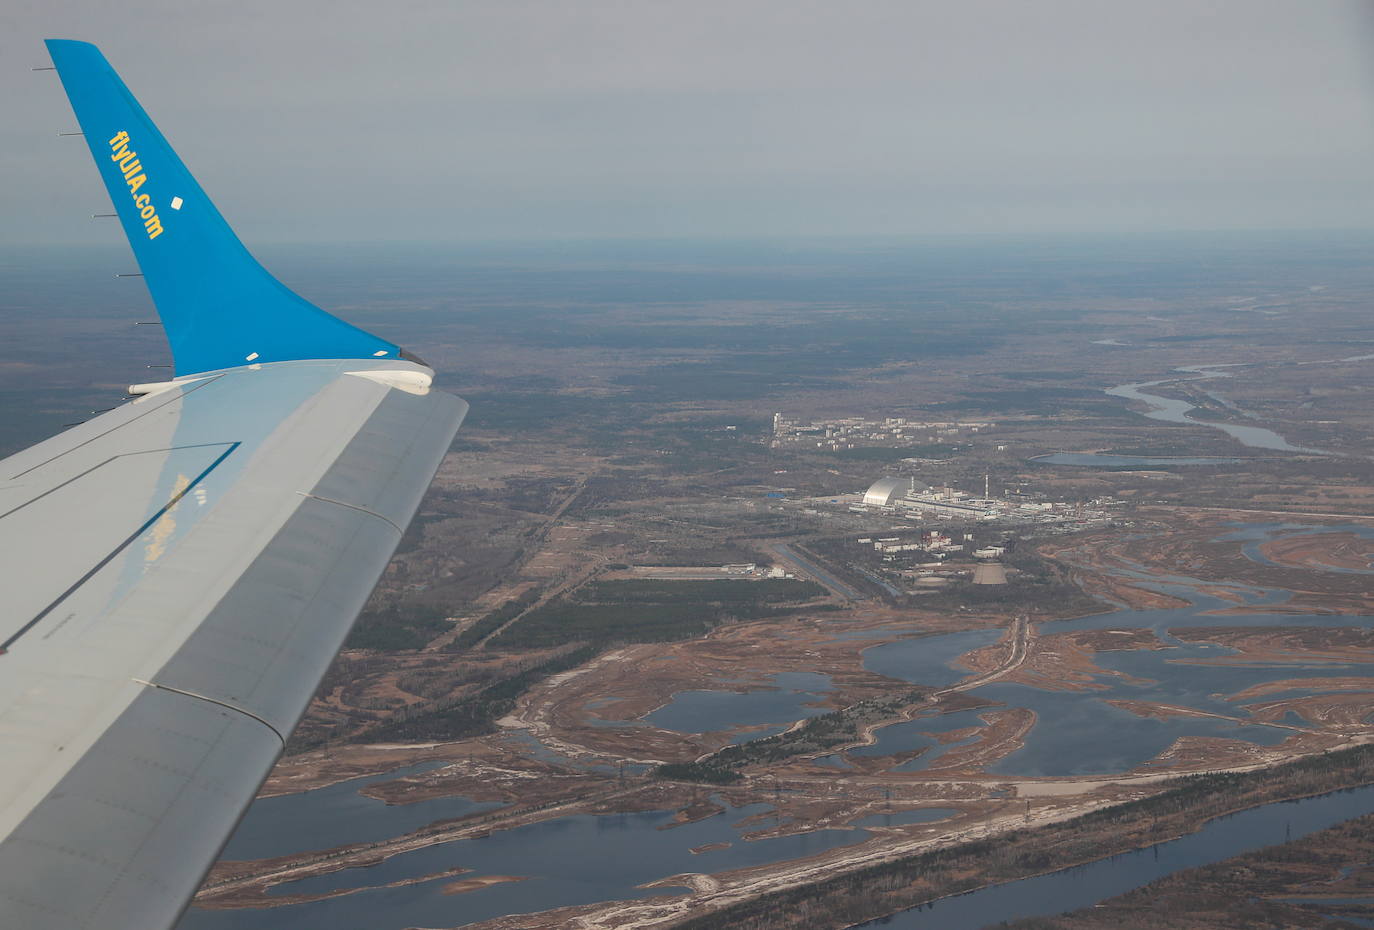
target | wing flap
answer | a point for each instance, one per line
(265, 647)
(272, 638)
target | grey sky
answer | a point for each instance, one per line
(338, 119)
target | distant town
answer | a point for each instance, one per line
(853, 432)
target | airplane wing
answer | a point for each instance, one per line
(179, 573)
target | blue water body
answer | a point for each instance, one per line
(1086, 885)
(338, 815)
(578, 859)
(927, 759)
(912, 734)
(901, 818)
(1160, 621)
(1105, 460)
(927, 660)
(889, 588)
(1079, 735)
(1256, 535)
(833, 761)
(1077, 732)
(788, 698)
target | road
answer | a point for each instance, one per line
(1020, 636)
(788, 554)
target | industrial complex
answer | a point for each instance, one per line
(909, 537)
(916, 500)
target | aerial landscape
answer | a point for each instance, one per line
(995, 553)
(661, 599)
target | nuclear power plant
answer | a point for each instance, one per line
(914, 498)
(917, 539)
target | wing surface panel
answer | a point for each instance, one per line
(17, 474)
(364, 474)
(300, 416)
(265, 647)
(73, 528)
(124, 838)
(269, 641)
(236, 597)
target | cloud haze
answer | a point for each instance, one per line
(334, 119)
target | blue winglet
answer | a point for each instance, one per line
(219, 307)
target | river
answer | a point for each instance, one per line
(1171, 410)
(1109, 460)
(569, 860)
(1085, 885)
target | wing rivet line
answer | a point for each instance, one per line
(370, 513)
(210, 700)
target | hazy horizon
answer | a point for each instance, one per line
(517, 121)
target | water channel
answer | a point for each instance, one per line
(791, 696)
(577, 859)
(338, 815)
(1255, 536)
(1085, 885)
(1109, 460)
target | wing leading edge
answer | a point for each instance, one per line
(184, 569)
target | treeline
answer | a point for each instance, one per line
(643, 611)
(493, 621)
(562, 622)
(1261, 888)
(872, 892)
(397, 627)
(593, 618)
(697, 771)
(476, 714)
(818, 734)
(725, 591)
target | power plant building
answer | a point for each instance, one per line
(886, 492)
(894, 492)
(910, 494)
